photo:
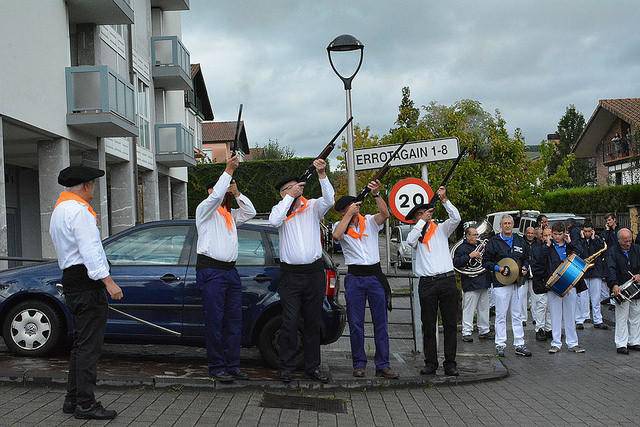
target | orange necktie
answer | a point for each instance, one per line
(227, 217)
(429, 234)
(362, 226)
(68, 195)
(304, 204)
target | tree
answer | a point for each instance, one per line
(273, 150)
(408, 114)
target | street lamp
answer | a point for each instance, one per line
(347, 43)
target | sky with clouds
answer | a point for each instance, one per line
(529, 59)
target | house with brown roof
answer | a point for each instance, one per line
(612, 138)
(217, 138)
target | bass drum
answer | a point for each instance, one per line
(485, 231)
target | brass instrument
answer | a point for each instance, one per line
(474, 267)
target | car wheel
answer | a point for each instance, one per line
(32, 328)
(268, 344)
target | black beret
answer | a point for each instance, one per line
(343, 202)
(411, 214)
(74, 175)
(213, 183)
(282, 182)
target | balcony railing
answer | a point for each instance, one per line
(620, 149)
(170, 63)
(100, 101)
(174, 145)
(100, 11)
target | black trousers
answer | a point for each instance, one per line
(443, 294)
(301, 294)
(89, 309)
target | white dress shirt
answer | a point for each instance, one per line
(365, 250)
(76, 238)
(214, 239)
(300, 236)
(438, 259)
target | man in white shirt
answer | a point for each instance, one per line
(216, 275)
(437, 286)
(85, 275)
(302, 281)
(365, 280)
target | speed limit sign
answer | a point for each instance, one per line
(407, 193)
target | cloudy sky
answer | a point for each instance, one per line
(530, 59)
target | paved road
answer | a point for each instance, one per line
(599, 387)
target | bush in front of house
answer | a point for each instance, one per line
(592, 199)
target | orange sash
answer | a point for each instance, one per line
(227, 217)
(68, 195)
(429, 234)
(304, 205)
(362, 226)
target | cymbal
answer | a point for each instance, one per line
(514, 271)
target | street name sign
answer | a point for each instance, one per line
(412, 153)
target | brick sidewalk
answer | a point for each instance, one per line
(599, 387)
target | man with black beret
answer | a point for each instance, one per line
(85, 275)
(302, 281)
(216, 275)
(437, 287)
(365, 280)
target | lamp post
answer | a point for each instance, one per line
(347, 43)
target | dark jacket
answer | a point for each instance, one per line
(552, 261)
(619, 265)
(460, 260)
(611, 237)
(538, 268)
(638, 239)
(590, 247)
(497, 249)
(574, 233)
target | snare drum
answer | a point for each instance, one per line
(567, 275)
(628, 291)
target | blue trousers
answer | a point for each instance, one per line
(359, 289)
(222, 305)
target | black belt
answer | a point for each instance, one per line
(437, 277)
(317, 265)
(76, 279)
(203, 261)
(373, 270)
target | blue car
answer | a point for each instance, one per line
(154, 264)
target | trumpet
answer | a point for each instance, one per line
(474, 267)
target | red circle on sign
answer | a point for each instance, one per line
(397, 187)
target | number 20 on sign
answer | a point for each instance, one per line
(407, 193)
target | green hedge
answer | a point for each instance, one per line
(256, 179)
(592, 199)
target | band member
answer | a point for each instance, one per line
(611, 228)
(507, 244)
(542, 221)
(85, 275)
(302, 283)
(574, 230)
(590, 244)
(526, 290)
(437, 286)
(216, 275)
(623, 263)
(475, 297)
(563, 309)
(539, 306)
(358, 235)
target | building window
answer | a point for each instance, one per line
(143, 114)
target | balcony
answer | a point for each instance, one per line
(171, 66)
(174, 145)
(171, 4)
(100, 11)
(100, 102)
(619, 150)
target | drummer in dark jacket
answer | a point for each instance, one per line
(475, 298)
(539, 304)
(623, 264)
(507, 244)
(563, 309)
(594, 278)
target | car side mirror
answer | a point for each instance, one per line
(394, 240)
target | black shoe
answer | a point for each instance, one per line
(223, 377)
(541, 335)
(634, 347)
(600, 326)
(579, 326)
(317, 375)
(428, 371)
(451, 372)
(487, 336)
(467, 338)
(68, 407)
(549, 334)
(285, 376)
(622, 350)
(94, 412)
(239, 375)
(522, 350)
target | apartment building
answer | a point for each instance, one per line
(106, 83)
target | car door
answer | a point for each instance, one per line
(255, 267)
(149, 264)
